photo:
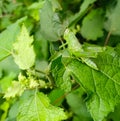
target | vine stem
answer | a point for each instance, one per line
(107, 38)
(47, 76)
(39, 71)
(61, 97)
(63, 44)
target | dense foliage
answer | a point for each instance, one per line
(59, 60)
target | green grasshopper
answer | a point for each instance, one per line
(85, 52)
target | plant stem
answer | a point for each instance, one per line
(39, 71)
(107, 38)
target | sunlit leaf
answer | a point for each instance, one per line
(38, 108)
(23, 51)
(16, 89)
(4, 107)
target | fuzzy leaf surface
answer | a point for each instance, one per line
(38, 108)
(102, 86)
(61, 75)
(23, 51)
(16, 89)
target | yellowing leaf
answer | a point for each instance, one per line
(23, 51)
(15, 90)
(36, 107)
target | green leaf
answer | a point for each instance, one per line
(8, 66)
(78, 107)
(40, 46)
(85, 4)
(23, 51)
(56, 5)
(50, 23)
(62, 77)
(5, 22)
(108, 85)
(102, 86)
(92, 25)
(34, 9)
(36, 5)
(83, 10)
(6, 82)
(112, 24)
(13, 112)
(38, 108)
(56, 97)
(1, 73)
(117, 48)
(7, 38)
(4, 107)
(115, 116)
